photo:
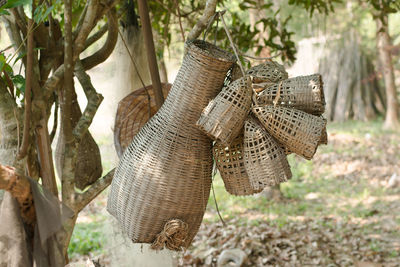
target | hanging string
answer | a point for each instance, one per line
(231, 41)
(215, 199)
(216, 31)
(137, 70)
(260, 58)
(209, 25)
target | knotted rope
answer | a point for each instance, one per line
(172, 237)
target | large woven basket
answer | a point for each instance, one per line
(304, 92)
(161, 186)
(297, 130)
(267, 72)
(230, 163)
(265, 161)
(224, 116)
(133, 112)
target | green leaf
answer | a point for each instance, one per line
(16, 3)
(2, 62)
(19, 83)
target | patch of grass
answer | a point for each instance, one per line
(87, 239)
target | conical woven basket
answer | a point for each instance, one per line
(161, 186)
(224, 116)
(230, 163)
(297, 130)
(267, 72)
(88, 166)
(265, 161)
(304, 93)
(133, 112)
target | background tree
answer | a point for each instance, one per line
(380, 9)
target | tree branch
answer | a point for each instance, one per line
(68, 162)
(94, 101)
(28, 89)
(81, 200)
(87, 26)
(96, 36)
(55, 119)
(201, 24)
(105, 51)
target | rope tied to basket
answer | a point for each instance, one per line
(172, 236)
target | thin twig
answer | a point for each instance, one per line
(5, 49)
(232, 44)
(180, 21)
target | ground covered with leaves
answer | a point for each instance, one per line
(340, 209)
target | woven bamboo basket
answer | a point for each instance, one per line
(265, 161)
(230, 163)
(304, 93)
(132, 113)
(224, 116)
(324, 136)
(161, 186)
(88, 166)
(297, 130)
(267, 72)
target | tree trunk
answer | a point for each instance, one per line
(384, 44)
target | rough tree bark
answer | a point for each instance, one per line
(384, 44)
(44, 86)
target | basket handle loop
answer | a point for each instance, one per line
(221, 14)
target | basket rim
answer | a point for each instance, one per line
(210, 50)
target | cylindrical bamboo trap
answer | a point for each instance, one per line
(161, 186)
(265, 161)
(133, 112)
(304, 93)
(230, 163)
(297, 130)
(224, 116)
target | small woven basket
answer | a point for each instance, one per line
(230, 163)
(324, 137)
(224, 116)
(304, 93)
(267, 72)
(265, 161)
(162, 183)
(133, 112)
(297, 130)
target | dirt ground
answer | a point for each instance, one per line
(340, 209)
